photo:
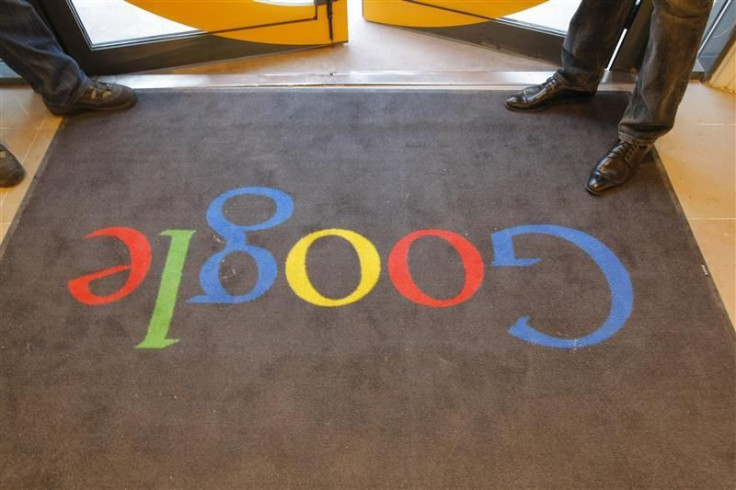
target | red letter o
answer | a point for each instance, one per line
(398, 268)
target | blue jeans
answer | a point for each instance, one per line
(31, 50)
(675, 33)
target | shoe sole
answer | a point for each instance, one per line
(607, 190)
(80, 110)
(14, 180)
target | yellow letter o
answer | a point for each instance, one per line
(298, 278)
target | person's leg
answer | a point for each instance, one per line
(591, 39)
(676, 32)
(30, 49)
(594, 31)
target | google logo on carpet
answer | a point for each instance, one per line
(236, 241)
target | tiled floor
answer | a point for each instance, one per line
(699, 154)
(26, 129)
(700, 157)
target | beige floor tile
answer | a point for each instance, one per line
(38, 150)
(20, 107)
(18, 140)
(717, 240)
(440, 55)
(701, 163)
(11, 199)
(721, 106)
(51, 121)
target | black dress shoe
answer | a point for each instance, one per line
(549, 93)
(616, 167)
(99, 96)
(11, 171)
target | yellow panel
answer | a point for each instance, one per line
(218, 15)
(441, 13)
(301, 33)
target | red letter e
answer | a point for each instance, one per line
(140, 262)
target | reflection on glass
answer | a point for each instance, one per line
(114, 21)
(553, 14)
(117, 21)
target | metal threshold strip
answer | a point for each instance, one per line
(445, 79)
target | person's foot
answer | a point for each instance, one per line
(11, 171)
(538, 97)
(100, 96)
(617, 167)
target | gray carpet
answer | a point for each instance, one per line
(265, 389)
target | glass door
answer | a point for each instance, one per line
(116, 36)
(552, 15)
(534, 28)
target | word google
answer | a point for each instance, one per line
(236, 241)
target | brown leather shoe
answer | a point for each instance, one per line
(538, 97)
(11, 171)
(616, 167)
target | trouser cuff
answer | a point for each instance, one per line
(636, 141)
(572, 82)
(84, 84)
